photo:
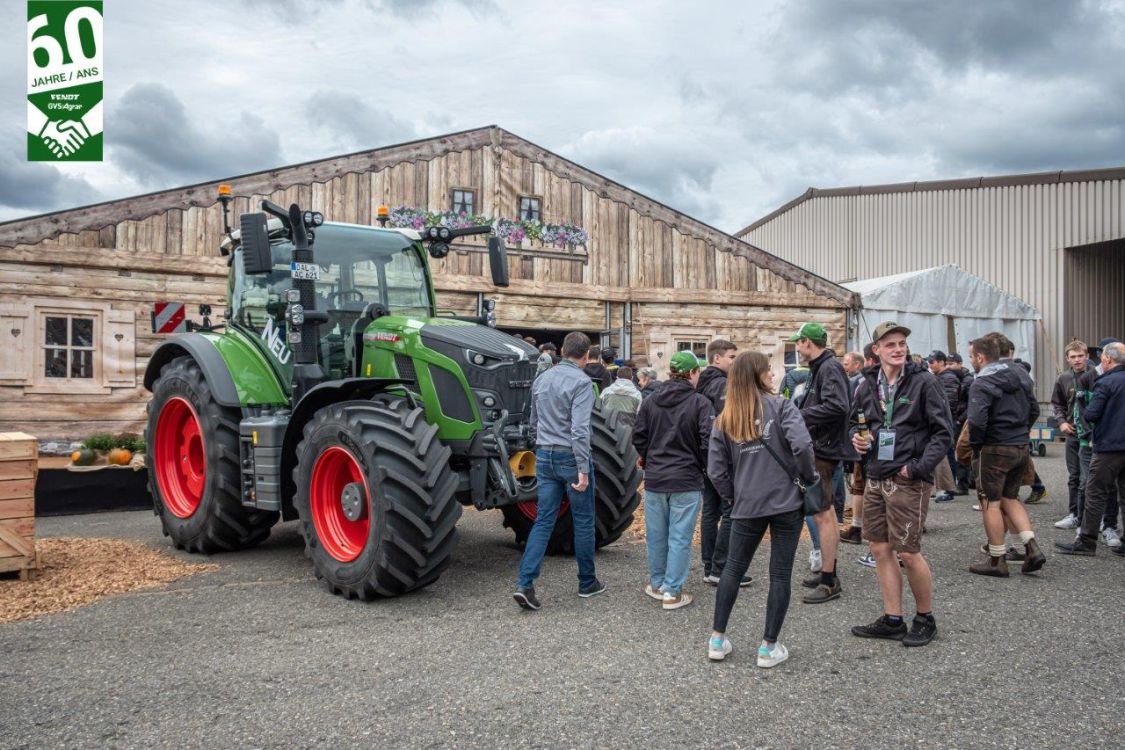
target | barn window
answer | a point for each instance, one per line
(791, 359)
(529, 208)
(463, 201)
(695, 346)
(68, 346)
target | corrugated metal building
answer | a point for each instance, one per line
(1055, 239)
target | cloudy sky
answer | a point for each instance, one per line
(724, 110)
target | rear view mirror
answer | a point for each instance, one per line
(498, 261)
(255, 239)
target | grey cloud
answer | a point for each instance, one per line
(153, 139)
(32, 187)
(353, 123)
(673, 167)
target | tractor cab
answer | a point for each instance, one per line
(361, 273)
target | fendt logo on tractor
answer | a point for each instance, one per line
(334, 394)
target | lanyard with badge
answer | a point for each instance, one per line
(886, 437)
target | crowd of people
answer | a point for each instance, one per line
(721, 443)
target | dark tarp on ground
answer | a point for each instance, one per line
(59, 492)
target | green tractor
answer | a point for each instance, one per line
(334, 394)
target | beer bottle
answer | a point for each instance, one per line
(864, 433)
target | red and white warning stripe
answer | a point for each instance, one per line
(168, 317)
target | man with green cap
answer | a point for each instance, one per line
(825, 410)
(672, 435)
(905, 434)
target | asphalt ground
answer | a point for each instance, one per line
(258, 655)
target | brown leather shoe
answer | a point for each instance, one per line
(823, 593)
(852, 535)
(990, 566)
(1034, 559)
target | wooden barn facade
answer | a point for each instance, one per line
(77, 286)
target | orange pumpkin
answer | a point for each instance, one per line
(119, 457)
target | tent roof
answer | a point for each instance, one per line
(942, 290)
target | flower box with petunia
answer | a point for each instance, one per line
(513, 231)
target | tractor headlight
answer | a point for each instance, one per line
(478, 359)
(432, 233)
(489, 401)
(444, 233)
(489, 305)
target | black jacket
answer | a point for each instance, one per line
(966, 378)
(826, 406)
(921, 421)
(650, 389)
(671, 434)
(1106, 411)
(713, 384)
(1072, 386)
(1002, 406)
(951, 385)
(600, 374)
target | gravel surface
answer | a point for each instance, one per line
(257, 655)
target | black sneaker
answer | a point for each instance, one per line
(881, 629)
(1014, 555)
(714, 579)
(746, 581)
(922, 631)
(595, 588)
(1036, 496)
(526, 598)
(1078, 547)
(962, 489)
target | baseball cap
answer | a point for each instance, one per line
(814, 332)
(889, 326)
(955, 357)
(937, 356)
(684, 362)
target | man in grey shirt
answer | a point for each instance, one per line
(562, 400)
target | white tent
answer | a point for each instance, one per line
(944, 308)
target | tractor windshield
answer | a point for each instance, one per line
(358, 266)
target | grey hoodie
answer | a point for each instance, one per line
(747, 475)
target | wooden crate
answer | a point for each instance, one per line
(18, 468)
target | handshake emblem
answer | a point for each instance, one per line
(64, 137)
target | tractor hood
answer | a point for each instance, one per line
(497, 345)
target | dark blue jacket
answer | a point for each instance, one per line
(1106, 411)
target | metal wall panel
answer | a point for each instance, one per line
(1014, 236)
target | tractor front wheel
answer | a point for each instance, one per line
(192, 460)
(616, 495)
(376, 498)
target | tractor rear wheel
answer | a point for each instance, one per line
(192, 460)
(616, 495)
(376, 498)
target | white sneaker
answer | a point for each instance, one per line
(815, 561)
(1110, 537)
(711, 579)
(772, 656)
(1070, 522)
(656, 594)
(718, 648)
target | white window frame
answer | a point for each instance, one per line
(453, 199)
(538, 208)
(95, 348)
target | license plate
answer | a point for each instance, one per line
(304, 271)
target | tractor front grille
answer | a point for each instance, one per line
(405, 367)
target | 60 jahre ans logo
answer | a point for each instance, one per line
(64, 80)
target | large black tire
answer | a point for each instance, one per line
(408, 529)
(218, 522)
(616, 479)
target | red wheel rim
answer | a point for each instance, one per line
(179, 458)
(341, 537)
(531, 508)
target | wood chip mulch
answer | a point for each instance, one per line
(77, 572)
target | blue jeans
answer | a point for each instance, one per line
(669, 525)
(838, 491)
(814, 535)
(556, 471)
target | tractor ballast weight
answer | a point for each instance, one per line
(336, 395)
